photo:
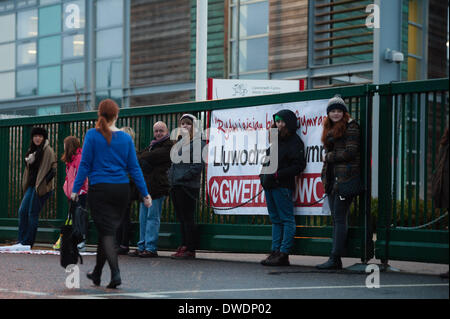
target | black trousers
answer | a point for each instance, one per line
(184, 202)
(339, 211)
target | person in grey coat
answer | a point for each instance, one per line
(184, 179)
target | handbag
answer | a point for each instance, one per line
(351, 187)
(69, 253)
(79, 217)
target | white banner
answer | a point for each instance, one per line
(231, 88)
(237, 144)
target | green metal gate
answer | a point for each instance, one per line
(231, 233)
(413, 116)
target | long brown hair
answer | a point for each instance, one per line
(336, 130)
(71, 144)
(107, 111)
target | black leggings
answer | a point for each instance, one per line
(339, 212)
(183, 199)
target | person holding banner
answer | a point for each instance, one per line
(184, 179)
(279, 186)
(341, 140)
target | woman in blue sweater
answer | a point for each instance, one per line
(108, 158)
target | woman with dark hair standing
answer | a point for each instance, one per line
(37, 185)
(184, 179)
(341, 140)
(279, 186)
(108, 158)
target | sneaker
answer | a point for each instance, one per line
(82, 246)
(179, 252)
(148, 254)
(57, 245)
(187, 254)
(16, 247)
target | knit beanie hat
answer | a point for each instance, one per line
(39, 131)
(336, 103)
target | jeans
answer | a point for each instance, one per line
(149, 222)
(281, 213)
(339, 212)
(29, 215)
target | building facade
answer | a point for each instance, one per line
(61, 56)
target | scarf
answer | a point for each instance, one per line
(157, 141)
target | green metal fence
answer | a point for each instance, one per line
(412, 120)
(217, 232)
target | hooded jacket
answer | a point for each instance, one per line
(291, 156)
(45, 181)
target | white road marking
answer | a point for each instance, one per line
(166, 294)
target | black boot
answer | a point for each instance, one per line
(280, 259)
(115, 280)
(95, 276)
(270, 257)
(334, 263)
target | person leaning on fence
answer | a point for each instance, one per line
(38, 184)
(279, 187)
(184, 179)
(108, 158)
(72, 158)
(155, 163)
(341, 140)
(124, 230)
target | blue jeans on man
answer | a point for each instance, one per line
(29, 210)
(281, 212)
(149, 222)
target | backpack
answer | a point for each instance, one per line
(71, 236)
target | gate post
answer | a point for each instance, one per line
(385, 173)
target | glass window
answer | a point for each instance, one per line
(50, 20)
(7, 83)
(49, 80)
(73, 46)
(109, 43)
(115, 95)
(249, 45)
(43, 2)
(7, 54)
(26, 82)
(74, 15)
(73, 74)
(49, 110)
(253, 54)
(109, 13)
(251, 17)
(109, 74)
(7, 25)
(26, 53)
(27, 24)
(50, 50)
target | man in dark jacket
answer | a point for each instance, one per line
(288, 162)
(155, 162)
